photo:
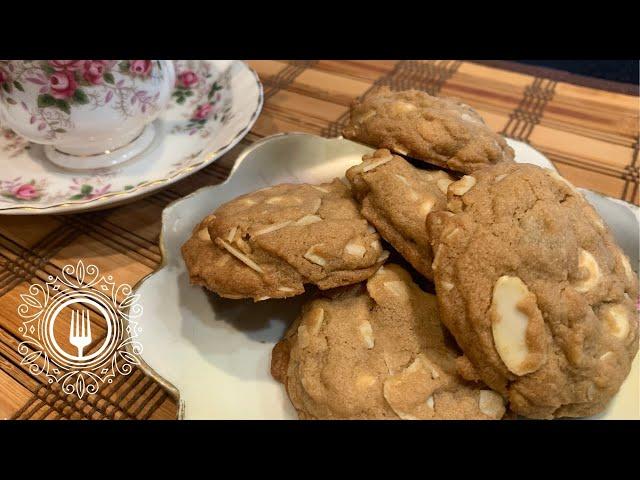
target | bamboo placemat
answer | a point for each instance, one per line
(590, 134)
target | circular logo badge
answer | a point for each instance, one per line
(80, 329)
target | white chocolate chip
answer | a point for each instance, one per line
(500, 177)
(239, 255)
(587, 262)
(370, 228)
(376, 163)
(443, 184)
(316, 318)
(463, 185)
(232, 234)
(249, 201)
(367, 334)
(431, 402)
(261, 299)
(375, 245)
(307, 220)
(491, 404)
(617, 320)
(315, 258)
(203, 234)
(510, 324)
(272, 228)
(355, 249)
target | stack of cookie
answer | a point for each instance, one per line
(534, 311)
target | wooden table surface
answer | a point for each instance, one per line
(590, 134)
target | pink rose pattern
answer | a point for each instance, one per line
(64, 83)
(141, 67)
(19, 190)
(188, 79)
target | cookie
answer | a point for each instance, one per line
(535, 290)
(270, 243)
(396, 197)
(438, 130)
(377, 352)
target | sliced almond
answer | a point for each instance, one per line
(376, 163)
(447, 285)
(365, 381)
(617, 320)
(271, 228)
(367, 334)
(314, 257)
(427, 205)
(239, 255)
(401, 107)
(355, 248)
(515, 318)
(320, 189)
(397, 288)
(500, 177)
(491, 404)
(443, 184)
(285, 289)
(383, 256)
(626, 266)
(203, 234)
(431, 402)
(262, 299)
(366, 116)
(315, 206)
(243, 246)
(401, 151)
(316, 318)
(463, 185)
(605, 356)
(587, 264)
(232, 234)
(403, 180)
(307, 220)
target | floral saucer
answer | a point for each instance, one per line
(214, 104)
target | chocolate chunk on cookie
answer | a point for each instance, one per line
(377, 352)
(270, 243)
(535, 290)
(396, 198)
(438, 130)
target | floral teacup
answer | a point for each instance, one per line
(89, 113)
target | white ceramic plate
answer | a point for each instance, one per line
(189, 138)
(215, 354)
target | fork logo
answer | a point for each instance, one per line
(80, 329)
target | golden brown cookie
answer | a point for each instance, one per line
(438, 130)
(396, 198)
(269, 243)
(535, 290)
(377, 352)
